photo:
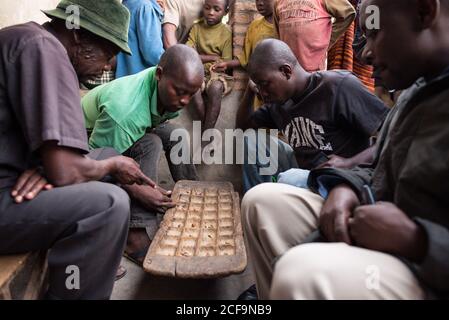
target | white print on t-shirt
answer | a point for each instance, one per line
(303, 132)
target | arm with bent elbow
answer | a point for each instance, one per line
(169, 35)
(65, 166)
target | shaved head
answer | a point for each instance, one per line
(270, 54)
(180, 74)
(273, 67)
(182, 60)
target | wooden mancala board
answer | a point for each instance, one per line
(202, 236)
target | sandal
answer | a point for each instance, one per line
(137, 255)
(121, 272)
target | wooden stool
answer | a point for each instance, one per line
(23, 276)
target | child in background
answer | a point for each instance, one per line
(213, 41)
(260, 29)
(311, 27)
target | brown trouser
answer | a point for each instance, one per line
(278, 217)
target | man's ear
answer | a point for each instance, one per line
(159, 71)
(286, 70)
(428, 11)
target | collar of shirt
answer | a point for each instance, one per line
(439, 77)
(156, 117)
(267, 23)
(420, 84)
(297, 97)
(204, 22)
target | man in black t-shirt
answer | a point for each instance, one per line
(327, 117)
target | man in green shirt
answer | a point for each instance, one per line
(130, 114)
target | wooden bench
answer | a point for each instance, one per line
(23, 276)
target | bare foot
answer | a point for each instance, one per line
(121, 272)
(137, 244)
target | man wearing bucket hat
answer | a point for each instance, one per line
(75, 218)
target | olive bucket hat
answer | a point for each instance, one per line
(108, 19)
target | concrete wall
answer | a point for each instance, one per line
(242, 14)
(20, 11)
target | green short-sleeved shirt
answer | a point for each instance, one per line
(119, 112)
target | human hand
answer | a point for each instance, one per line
(386, 228)
(29, 185)
(127, 171)
(253, 86)
(337, 209)
(156, 198)
(220, 67)
(337, 162)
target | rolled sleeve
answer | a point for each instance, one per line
(171, 14)
(149, 30)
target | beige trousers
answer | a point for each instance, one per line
(277, 218)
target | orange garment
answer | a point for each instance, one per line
(341, 56)
(307, 27)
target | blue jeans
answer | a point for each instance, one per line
(284, 160)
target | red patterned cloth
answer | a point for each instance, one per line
(342, 56)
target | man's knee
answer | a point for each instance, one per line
(109, 203)
(165, 131)
(261, 196)
(250, 141)
(304, 272)
(110, 216)
(120, 206)
(150, 142)
(284, 148)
